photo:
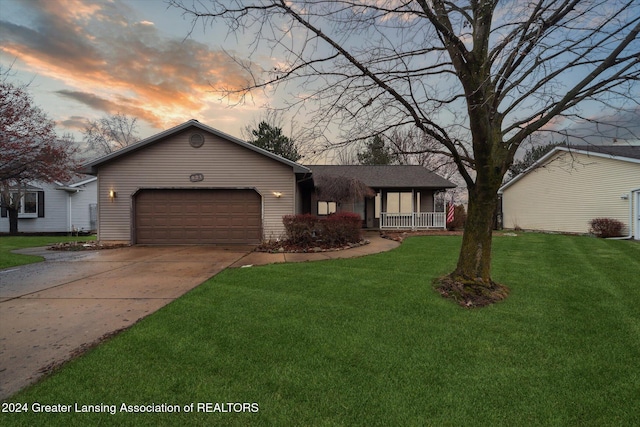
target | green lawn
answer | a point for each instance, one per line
(10, 243)
(369, 342)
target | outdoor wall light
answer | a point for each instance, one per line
(277, 194)
(112, 194)
(624, 197)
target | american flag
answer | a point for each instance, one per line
(450, 213)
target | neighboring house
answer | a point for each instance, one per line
(56, 207)
(193, 184)
(570, 186)
(405, 195)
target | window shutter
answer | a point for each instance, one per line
(3, 209)
(40, 204)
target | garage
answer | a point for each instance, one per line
(197, 216)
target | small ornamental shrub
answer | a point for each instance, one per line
(606, 227)
(300, 229)
(459, 218)
(341, 228)
(335, 230)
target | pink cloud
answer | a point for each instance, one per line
(116, 63)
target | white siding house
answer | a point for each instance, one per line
(57, 208)
(569, 187)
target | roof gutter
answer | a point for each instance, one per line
(69, 189)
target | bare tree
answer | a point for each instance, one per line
(478, 76)
(341, 188)
(30, 152)
(414, 147)
(110, 133)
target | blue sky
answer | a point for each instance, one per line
(86, 59)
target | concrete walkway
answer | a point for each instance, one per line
(376, 244)
(51, 310)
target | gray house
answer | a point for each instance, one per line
(193, 184)
(56, 207)
(404, 196)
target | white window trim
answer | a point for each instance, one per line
(330, 207)
(21, 212)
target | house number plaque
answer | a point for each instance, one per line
(196, 177)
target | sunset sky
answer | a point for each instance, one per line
(86, 59)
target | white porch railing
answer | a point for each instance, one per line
(413, 221)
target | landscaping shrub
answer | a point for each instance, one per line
(606, 227)
(335, 230)
(341, 228)
(300, 229)
(459, 218)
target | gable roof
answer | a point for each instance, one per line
(386, 176)
(621, 152)
(92, 166)
(77, 180)
(625, 153)
(76, 183)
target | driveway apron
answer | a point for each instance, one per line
(50, 310)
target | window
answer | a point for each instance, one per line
(31, 205)
(399, 202)
(327, 208)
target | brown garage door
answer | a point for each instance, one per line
(165, 217)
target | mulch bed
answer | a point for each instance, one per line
(399, 236)
(471, 294)
(287, 247)
(84, 246)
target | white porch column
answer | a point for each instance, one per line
(444, 207)
(413, 209)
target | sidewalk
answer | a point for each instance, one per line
(377, 244)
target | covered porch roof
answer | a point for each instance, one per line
(387, 176)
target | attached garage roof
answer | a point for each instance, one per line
(386, 176)
(92, 167)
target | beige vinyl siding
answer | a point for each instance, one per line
(569, 191)
(169, 163)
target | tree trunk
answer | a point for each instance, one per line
(13, 220)
(470, 284)
(474, 262)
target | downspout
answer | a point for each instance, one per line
(630, 235)
(70, 225)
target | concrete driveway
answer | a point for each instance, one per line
(50, 310)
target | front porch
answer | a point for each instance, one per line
(387, 197)
(413, 221)
(411, 209)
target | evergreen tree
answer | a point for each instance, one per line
(271, 139)
(376, 153)
(531, 156)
